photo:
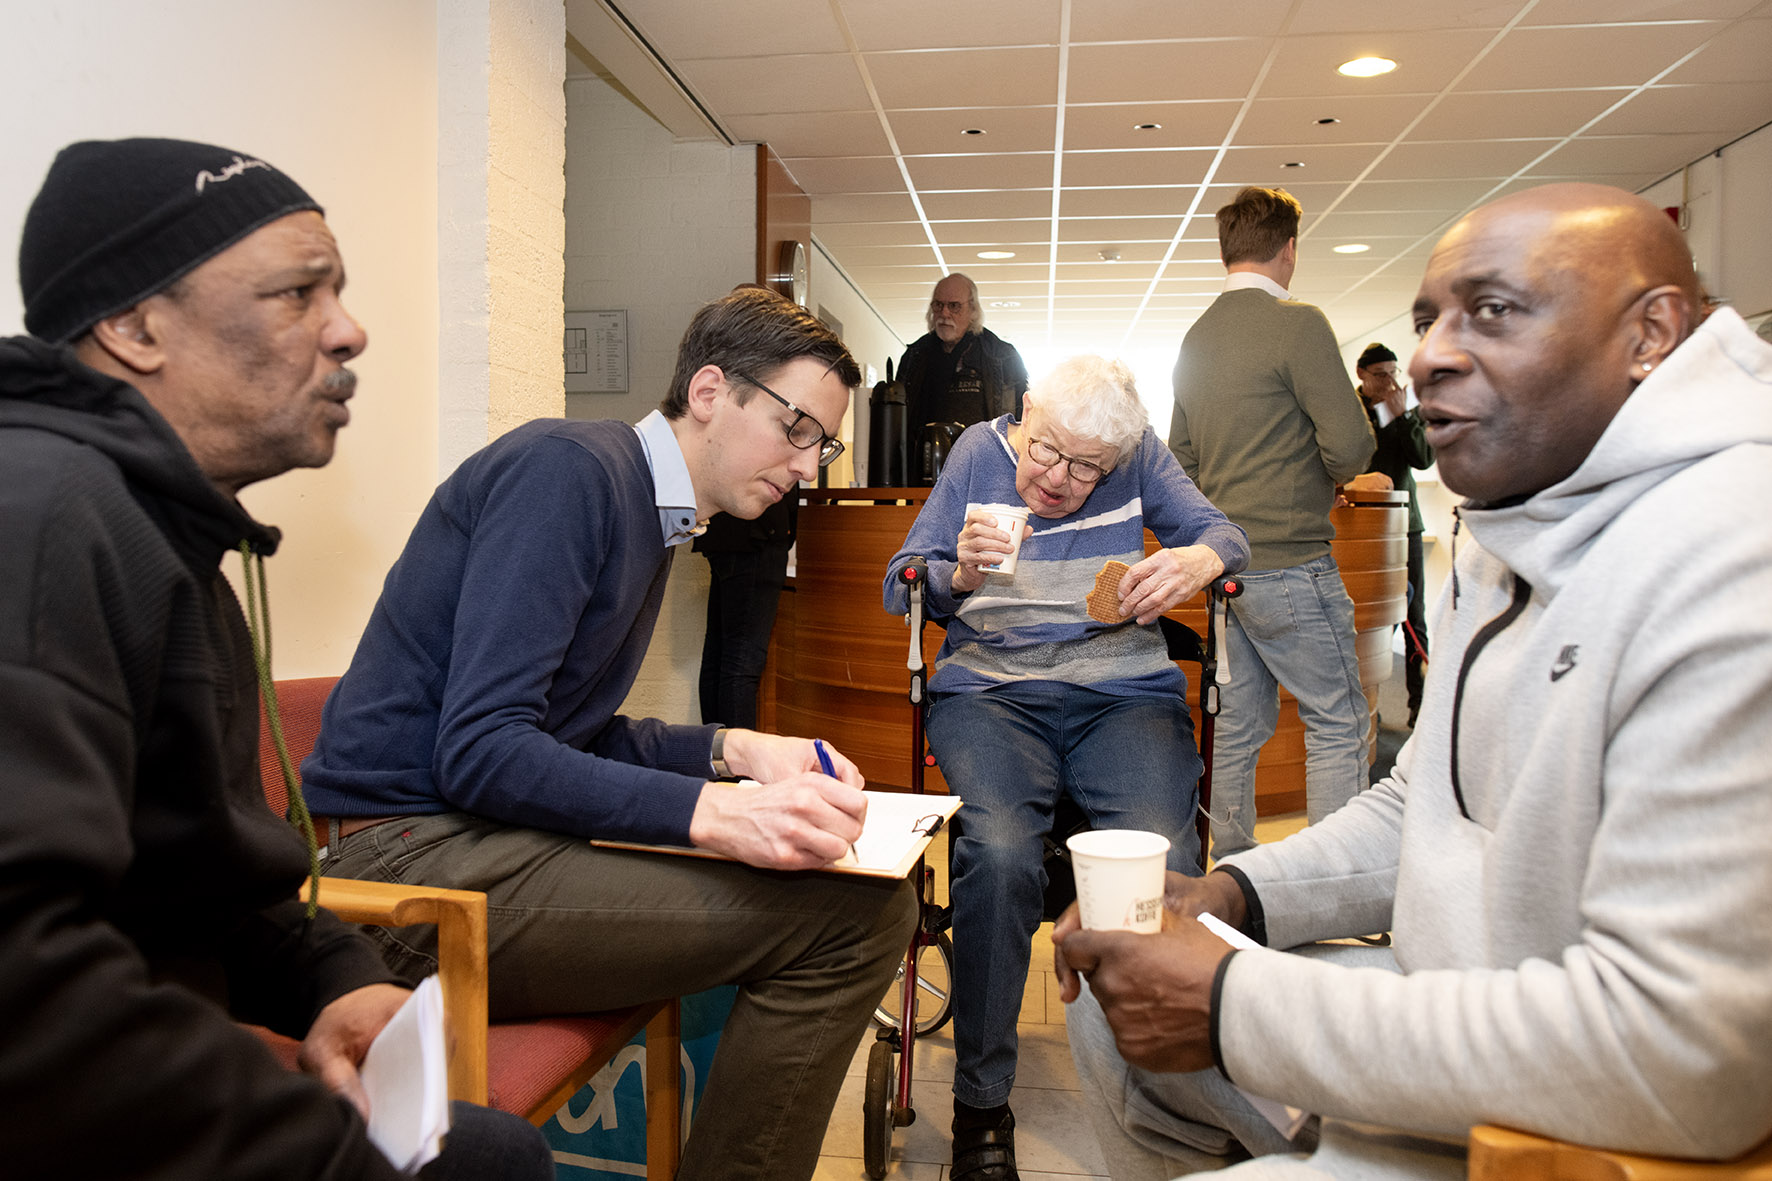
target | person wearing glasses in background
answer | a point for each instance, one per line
(1033, 699)
(959, 372)
(476, 741)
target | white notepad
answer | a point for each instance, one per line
(898, 827)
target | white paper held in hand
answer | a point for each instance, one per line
(1286, 1120)
(405, 1075)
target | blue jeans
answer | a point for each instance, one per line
(1010, 752)
(1291, 627)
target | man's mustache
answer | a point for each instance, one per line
(342, 381)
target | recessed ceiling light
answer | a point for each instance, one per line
(1351, 248)
(1110, 255)
(1326, 120)
(1366, 67)
(1005, 303)
(972, 131)
(996, 254)
(1147, 127)
(1293, 164)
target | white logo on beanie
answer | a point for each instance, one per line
(240, 164)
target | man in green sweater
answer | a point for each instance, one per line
(1266, 425)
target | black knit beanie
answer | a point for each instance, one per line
(118, 220)
(1375, 354)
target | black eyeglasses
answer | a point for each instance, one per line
(1046, 455)
(804, 432)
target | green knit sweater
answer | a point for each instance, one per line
(1266, 423)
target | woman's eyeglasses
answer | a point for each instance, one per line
(1046, 455)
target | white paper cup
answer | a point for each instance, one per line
(1010, 519)
(1119, 875)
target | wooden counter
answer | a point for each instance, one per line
(838, 662)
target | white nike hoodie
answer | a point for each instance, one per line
(1574, 852)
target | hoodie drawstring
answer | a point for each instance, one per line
(258, 625)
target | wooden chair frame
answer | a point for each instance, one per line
(460, 918)
(1502, 1154)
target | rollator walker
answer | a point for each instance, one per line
(923, 1001)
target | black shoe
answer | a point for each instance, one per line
(984, 1149)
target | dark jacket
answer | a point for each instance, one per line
(146, 891)
(982, 378)
(1402, 446)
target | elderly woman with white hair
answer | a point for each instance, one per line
(1032, 699)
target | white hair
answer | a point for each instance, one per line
(975, 322)
(1093, 398)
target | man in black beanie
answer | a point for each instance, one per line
(188, 340)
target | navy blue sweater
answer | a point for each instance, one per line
(508, 634)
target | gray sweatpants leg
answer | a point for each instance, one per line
(1154, 1126)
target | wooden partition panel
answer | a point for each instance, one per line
(838, 662)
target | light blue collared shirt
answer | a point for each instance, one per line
(672, 489)
(1237, 280)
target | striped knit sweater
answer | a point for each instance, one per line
(1034, 625)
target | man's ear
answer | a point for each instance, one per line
(705, 387)
(129, 338)
(1664, 318)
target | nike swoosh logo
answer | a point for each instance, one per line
(1561, 670)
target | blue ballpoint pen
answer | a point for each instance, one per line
(824, 764)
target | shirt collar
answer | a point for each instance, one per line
(1237, 280)
(672, 489)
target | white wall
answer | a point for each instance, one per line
(653, 225)
(342, 96)
(659, 227)
(870, 341)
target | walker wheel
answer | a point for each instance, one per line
(935, 1004)
(876, 1111)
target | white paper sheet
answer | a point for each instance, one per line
(406, 1076)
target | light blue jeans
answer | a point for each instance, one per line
(1010, 753)
(1291, 627)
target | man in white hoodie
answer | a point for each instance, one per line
(1571, 852)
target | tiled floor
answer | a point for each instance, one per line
(1052, 1139)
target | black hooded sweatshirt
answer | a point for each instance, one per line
(146, 891)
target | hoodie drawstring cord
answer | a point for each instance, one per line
(258, 625)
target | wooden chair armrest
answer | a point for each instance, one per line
(1502, 1154)
(460, 918)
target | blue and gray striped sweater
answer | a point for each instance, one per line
(1034, 624)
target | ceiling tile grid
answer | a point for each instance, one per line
(1149, 114)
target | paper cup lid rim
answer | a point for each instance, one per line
(1151, 842)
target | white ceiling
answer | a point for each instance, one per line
(867, 100)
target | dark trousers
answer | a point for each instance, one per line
(742, 599)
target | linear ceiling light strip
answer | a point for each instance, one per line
(1218, 156)
(867, 80)
(1064, 73)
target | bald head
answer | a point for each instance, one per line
(1538, 316)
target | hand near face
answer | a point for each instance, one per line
(1392, 397)
(793, 817)
(340, 1036)
(1166, 579)
(981, 543)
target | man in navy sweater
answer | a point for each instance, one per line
(475, 740)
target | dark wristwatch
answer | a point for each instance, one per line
(717, 757)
